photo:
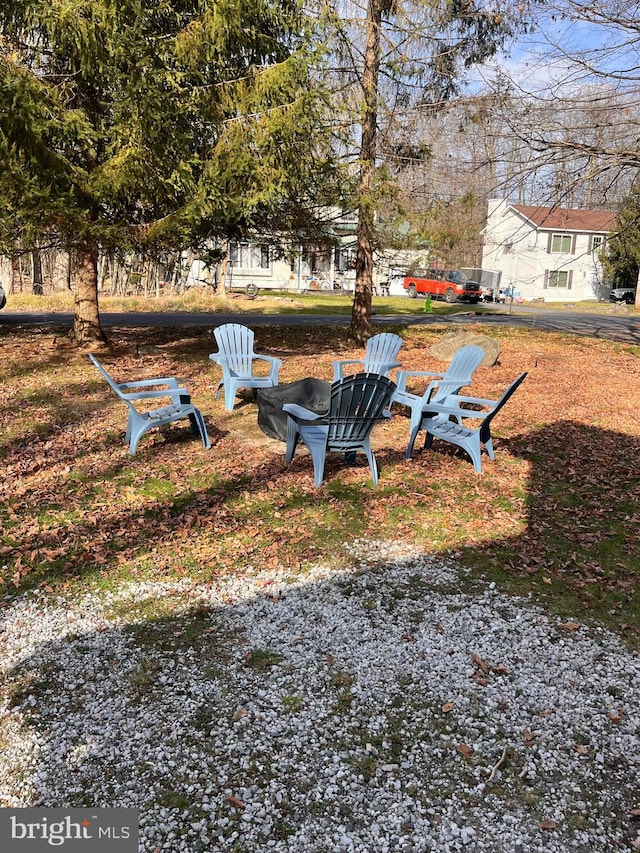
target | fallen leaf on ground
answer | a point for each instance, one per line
(465, 750)
(479, 662)
(448, 706)
(548, 825)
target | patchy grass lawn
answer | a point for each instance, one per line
(266, 302)
(556, 515)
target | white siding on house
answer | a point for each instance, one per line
(525, 255)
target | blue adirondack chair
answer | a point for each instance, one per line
(151, 389)
(446, 420)
(356, 405)
(457, 375)
(380, 356)
(236, 358)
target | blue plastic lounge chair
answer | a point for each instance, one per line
(356, 405)
(446, 420)
(457, 375)
(236, 358)
(149, 389)
(380, 356)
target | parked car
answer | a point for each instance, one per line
(450, 285)
(623, 294)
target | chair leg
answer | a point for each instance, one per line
(293, 437)
(489, 448)
(372, 463)
(318, 455)
(474, 450)
(412, 438)
(136, 433)
(416, 417)
(198, 428)
(195, 426)
(229, 396)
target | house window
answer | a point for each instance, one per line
(558, 278)
(249, 256)
(561, 243)
(596, 243)
(345, 258)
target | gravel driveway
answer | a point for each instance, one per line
(391, 706)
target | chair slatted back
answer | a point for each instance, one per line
(112, 384)
(485, 431)
(381, 349)
(235, 342)
(357, 404)
(462, 365)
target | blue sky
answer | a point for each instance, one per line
(542, 59)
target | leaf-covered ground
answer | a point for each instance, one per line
(556, 514)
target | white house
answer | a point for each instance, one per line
(328, 265)
(548, 253)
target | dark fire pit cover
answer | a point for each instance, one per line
(311, 393)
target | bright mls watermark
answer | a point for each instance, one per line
(70, 830)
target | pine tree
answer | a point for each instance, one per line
(153, 123)
(621, 257)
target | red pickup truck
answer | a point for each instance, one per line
(449, 285)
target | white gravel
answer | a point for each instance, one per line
(369, 710)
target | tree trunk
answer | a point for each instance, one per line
(86, 316)
(15, 284)
(360, 329)
(37, 287)
(221, 288)
(185, 269)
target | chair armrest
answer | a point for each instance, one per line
(338, 365)
(349, 361)
(439, 409)
(387, 366)
(180, 393)
(299, 413)
(477, 401)
(419, 373)
(401, 377)
(147, 383)
(270, 358)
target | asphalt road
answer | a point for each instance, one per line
(618, 327)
